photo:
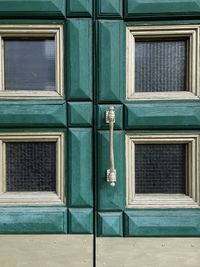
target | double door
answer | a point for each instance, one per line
(99, 134)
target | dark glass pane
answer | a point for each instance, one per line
(160, 168)
(160, 66)
(30, 166)
(29, 64)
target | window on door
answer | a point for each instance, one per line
(162, 62)
(31, 167)
(162, 170)
(31, 61)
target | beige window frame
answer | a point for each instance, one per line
(15, 31)
(160, 32)
(36, 198)
(189, 200)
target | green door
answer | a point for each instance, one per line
(77, 187)
(46, 136)
(147, 191)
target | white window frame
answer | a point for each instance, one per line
(48, 31)
(161, 32)
(189, 200)
(36, 198)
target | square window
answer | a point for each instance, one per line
(31, 61)
(162, 171)
(162, 62)
(160, 168)
(29, 64)
(31, 168)
(161, 66)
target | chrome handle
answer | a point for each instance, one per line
(111, 173)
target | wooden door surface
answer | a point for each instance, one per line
(147, 69)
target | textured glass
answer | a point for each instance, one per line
(160, 168)
(30, 166)
(160, 66)
(29, 64)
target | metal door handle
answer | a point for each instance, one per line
(111, 173)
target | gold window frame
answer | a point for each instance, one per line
(23, 31)
(191, 199)
(36, 198)
(162, 32)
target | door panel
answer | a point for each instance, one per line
(110, 198)
(110, 60)
(168, 9)
(162, 115)
(79, 59)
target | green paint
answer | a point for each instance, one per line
(111, 197)
(163, 115)
(118, 117)
(79, 63)
(108, 51)
(161, 8)
(80, 167)
(32, 114)
(32, 9)
(162, 222)
(110, 224)
(109, 8)
(33, 220)
(79, 8)
(111, 60)
(80, 114)
(80, 221)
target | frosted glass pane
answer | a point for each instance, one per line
(30, 166)
(160, 66)
(160, 168)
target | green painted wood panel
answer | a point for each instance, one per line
(109, 8)
(80, 167)
(33, 220)
(79, 8)
(111, 197)
(110, 224)
(118, 117)
(79, 59)
(32, 114)
(162, 115)
(110, 60)
(80, 221)
(162, 222)
(161, 8)
(32, 9)
(80, 114)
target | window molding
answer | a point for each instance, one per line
(36, 198)
(189, 200)
(55, 31)
(191, 32)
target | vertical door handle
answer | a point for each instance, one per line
(111, 173)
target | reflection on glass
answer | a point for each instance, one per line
(29, 64)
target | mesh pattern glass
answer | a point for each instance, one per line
(29, 64)
(160, 66)
(30, 166)
(160, 168)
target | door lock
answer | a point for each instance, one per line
(111, 173)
